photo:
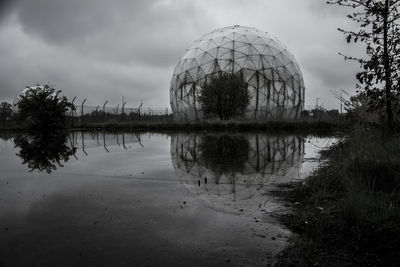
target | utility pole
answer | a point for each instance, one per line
(341, 102)
(316, 103)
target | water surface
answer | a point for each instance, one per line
(147, 199)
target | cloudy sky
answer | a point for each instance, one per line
(102, 50)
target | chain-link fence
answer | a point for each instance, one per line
(99, 114)
(119, 113)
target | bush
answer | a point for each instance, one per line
(42, 108)
(225, 96)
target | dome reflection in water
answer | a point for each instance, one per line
(44, 151)
(233, 173)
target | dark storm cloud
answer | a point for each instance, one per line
(97, 49)
(66, 21)
(101, 50)
(121, 30)
(5, 6)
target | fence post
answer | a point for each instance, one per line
(116, 109)
(82, 110)
(97, 113)
(123, 109)
(72, 110)
(104, 108)
(140, 107)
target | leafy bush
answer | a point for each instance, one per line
(225, 96)
(42, 108)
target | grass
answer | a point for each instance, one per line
(348, 211)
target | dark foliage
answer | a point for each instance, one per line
(5, 112)
(44, 151)
(42, 108)
(380, 32)
(225, 96)
(224, 153)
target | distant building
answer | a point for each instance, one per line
(272, 73)
(320, 113)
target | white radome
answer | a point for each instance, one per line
(272, 73)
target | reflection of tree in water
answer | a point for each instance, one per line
(44, 151)
(224, 153)
(230, 172)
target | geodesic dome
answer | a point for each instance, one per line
(272, 73)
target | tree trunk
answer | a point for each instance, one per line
(388, 79)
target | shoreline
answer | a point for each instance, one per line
(303, 126)
(347, 211)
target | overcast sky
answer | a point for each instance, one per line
(101, 49)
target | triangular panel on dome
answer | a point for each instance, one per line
(257, 60)
(219, 41)
(226, 56)
(227, 43)
(217, 34)
(249, 64)
(276, 45)
(208, 68)
(267, 73)
(199, 73)
(241, 61)
(260, 48)
(261, 41)
(190, 54)
(204, 58)
(238, 54)
(223, 51)
(192, 63)
(225, 64)
(213, 52)
(241, 45)
(273, 51)
(243, 49)
(267, 61)
(252, 51)
(229, 36)
(291, 68)
(250, 77)
(241, 38)
(252, 38)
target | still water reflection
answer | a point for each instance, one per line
(47, 151)
(233, 172)
(44, 151)
(135, 199)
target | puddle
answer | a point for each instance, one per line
(147, 199)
